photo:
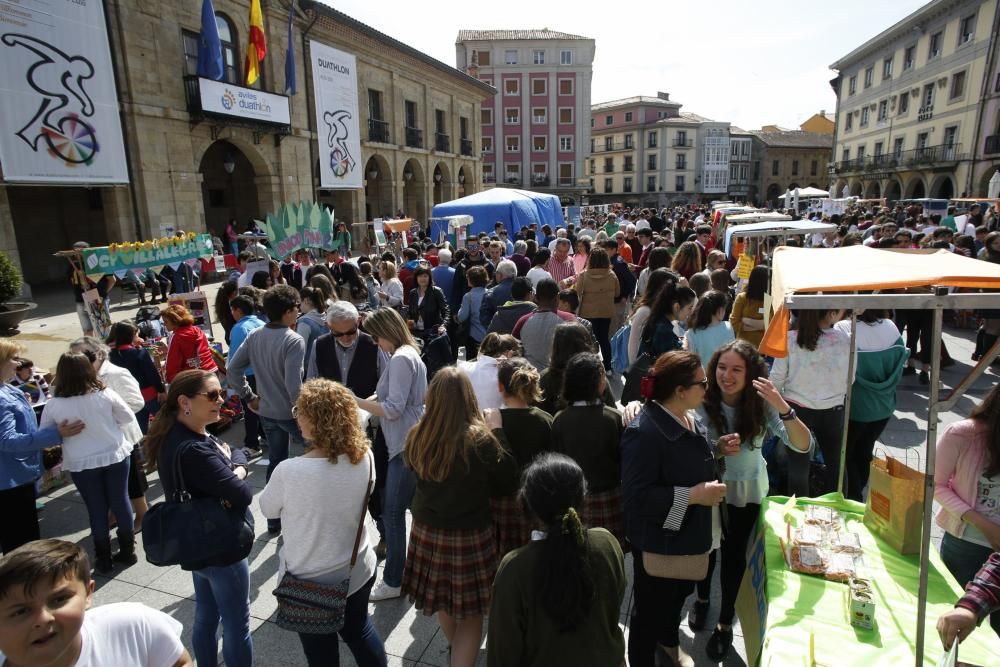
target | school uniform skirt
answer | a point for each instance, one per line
(510, 523)
(450, 569)
(606, 510)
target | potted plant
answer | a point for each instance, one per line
(11, 312)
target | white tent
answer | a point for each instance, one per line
(808, 193)
(761, 216)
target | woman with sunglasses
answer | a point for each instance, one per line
(741, 400)
(210, 470)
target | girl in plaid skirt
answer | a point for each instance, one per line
(459, 462)
(590, 433)
(529, 432)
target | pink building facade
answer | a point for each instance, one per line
(535, 130)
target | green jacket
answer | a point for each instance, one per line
(873, 396)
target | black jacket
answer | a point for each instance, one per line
(460, 284)
(362, 376)
(658, 454)
(434, 309)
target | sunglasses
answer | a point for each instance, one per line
(341, 334)
(212, 395)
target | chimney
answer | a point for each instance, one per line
(822, 112)
(663, 96)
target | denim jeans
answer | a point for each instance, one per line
(222, 592)
(963, 559)
(105, 489)
(400, 484)
(278, 431)
(358, 632)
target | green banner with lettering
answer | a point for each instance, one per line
(302, 225)
(120, 258)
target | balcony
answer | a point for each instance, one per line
(683, 143)
(628, 167)
(615, 146)
(566, 181)
(512, 180)
(925, 113)
(540, 179)
(928, 156)
(442, 143)
(467, 147)
(608, 169)
(378, 131)
(992, 144)
(681, 166)
(489, 178)
(414, 137)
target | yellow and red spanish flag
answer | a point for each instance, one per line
(256, 49)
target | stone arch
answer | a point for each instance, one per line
(463, 180)
(414, 203)
(229, 178)
(838, 188)
(983, 187)
(857, 189)
(893, 191)
(873, 190)
(378, 188)
(943, 187)
(915, 188)
(444, 187)
(773, 192)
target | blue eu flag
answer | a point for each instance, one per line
(209, 46)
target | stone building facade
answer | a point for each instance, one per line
(789, 159)
(419, 121)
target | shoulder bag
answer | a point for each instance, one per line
(313, 608)
(183, 530)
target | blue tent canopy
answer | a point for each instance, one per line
(514, 208)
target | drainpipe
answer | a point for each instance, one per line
(987, 73)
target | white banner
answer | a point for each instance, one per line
(335, 88)
(59, 119)
(224, 98)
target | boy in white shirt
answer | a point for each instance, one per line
(45, 594)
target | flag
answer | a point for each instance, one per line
(290, 56)
(209, 45)
(256, 49)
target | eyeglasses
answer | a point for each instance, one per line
(212, 395)
(703, 383)
(341, 334)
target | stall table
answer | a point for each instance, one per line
(783, 612)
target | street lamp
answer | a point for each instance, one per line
(372, 174)
(229, 164)
(407, 175)
(461, 178)
(437, 177)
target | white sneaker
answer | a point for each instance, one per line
(381, 591)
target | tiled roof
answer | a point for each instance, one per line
(795, 139)
(503, 35)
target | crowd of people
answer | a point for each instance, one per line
(475, 388)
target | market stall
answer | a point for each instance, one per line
(798, 278)
(775, 228)
(451, 228)
(514, 208)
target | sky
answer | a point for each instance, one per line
(749, 63)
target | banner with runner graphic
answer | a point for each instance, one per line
(59, 119)
(335, 86)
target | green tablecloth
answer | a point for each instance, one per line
(799, 605)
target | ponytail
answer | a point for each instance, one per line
(520, 379)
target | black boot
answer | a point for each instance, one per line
(126, 548)
(102, 561)
(979, 345)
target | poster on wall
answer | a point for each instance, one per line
(59, 119)
(335, 82)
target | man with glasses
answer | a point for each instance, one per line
(276, 353)
(347, 355)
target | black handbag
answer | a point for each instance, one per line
(183, 530)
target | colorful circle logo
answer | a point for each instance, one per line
(228, 99)
(340, 163)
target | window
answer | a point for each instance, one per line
(864, 115)
(651, 139)
(566, 173)
(795, 167)
(539, 87)
(922, 140)
(511, 86)
(482, 57)
(539, 142)
(883, 110)
(628, 116)
(512, 173)
(679, 183)
(681, 161)
(869, 76)
(488, 173)
(861, 154)
(565, 86)
(934, 49)
(440, 122)
(486, 116)
(512, 144)
(608, 120)
(230, 56)
(878, 148)
(651, 161)
(539, 116)
(897, 147)
(539, 170)
(682, 138)
(651, 184)
(744, 172)
(609, 165)
(996, 86)
(628, 166)
(813, 167)
(950, 134)
(510, 57)
(927, 101)
(538, 57)
(566, 116)
(375, 104)
(852, 85)
(189, 40)
(593, 166)
(775, 167)
(609, 143)
(512, 116)
(887, 69)
(566, 143)
(565, 57)
(609, 184)
(957, 85)
(909, 55)
(628, 141)
(487, 144)
(627, 184)
(904, 103)
(848, 121)
(411, 113)
(966, 29)
(846, 155)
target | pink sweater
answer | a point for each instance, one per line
(961, 459)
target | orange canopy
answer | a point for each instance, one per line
(860, 268)
(400, 225)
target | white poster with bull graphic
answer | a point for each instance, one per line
(59, 119)
(335, 86)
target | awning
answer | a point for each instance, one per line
(776, 228)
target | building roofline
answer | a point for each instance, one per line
(329, 12)
(467, 35)
(912, 20)
(635, 100)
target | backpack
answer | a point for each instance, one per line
(148, 322)
(619, 349)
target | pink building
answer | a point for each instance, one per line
(535, 130)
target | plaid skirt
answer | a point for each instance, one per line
(450, 570)
(606, 510)
(511, 524)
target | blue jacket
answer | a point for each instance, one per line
(239, 334)
(495, 298)
(21, 439)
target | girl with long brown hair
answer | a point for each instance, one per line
(457, 457)
(687, 260)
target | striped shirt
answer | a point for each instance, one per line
(982, 594)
